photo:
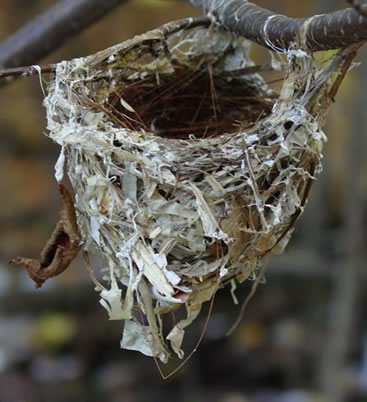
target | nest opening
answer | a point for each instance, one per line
(190, 103)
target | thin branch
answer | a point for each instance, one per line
(50, 68)
(27, 71)
(278, 32)
(169, 28)
(48, 31)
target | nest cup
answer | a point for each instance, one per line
(188, 171)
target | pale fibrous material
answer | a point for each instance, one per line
(182, 188)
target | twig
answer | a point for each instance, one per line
(48, 31)
(278, 32)
(174, 26)
(26, 71)
(345, 68)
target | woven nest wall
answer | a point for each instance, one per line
(187, 172)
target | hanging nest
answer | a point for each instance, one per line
(187, 170)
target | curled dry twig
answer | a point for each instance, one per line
(60, 250)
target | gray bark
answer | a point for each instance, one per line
(326, 31)
(51, 29)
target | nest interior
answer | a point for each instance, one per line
(186, 173)
(188, 103)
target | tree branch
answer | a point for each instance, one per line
(327, 31)
(51, 29)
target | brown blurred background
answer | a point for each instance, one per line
(304, 335)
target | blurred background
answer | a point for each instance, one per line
(304, 334)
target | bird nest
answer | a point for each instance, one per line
(188, 170)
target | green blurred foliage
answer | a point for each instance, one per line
(53, 330)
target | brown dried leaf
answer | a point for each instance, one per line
(235, 224)
(62, 247)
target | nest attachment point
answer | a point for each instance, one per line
(187, 173)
